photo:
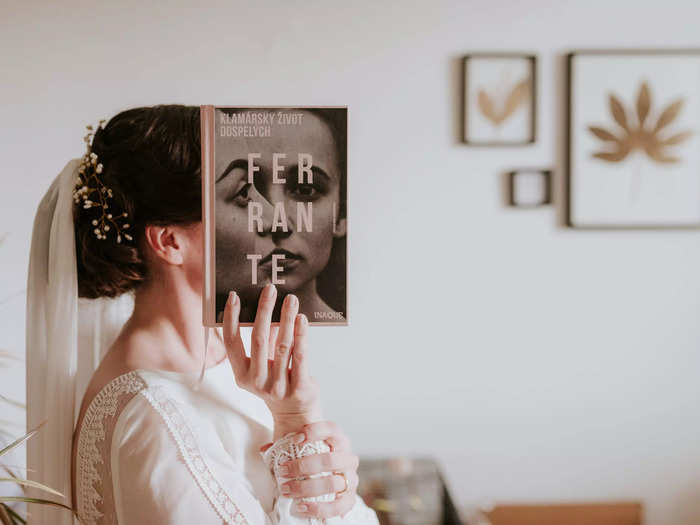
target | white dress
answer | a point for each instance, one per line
(153, 448)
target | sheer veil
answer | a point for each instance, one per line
(65, 337)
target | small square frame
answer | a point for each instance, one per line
(511, 177)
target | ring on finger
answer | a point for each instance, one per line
(347, 484)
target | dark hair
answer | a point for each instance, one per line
(152, 162)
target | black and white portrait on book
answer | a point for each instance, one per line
(280, 208)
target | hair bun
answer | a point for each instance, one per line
(150, 159)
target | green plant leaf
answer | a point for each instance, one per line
(16, 518)
(13, 402)
(5, 517)
(39, 501)
(16, 443)
(36, 485)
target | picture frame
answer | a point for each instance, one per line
(632, 159)
(529, 188)
(499, 99)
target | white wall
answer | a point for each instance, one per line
(535, 363)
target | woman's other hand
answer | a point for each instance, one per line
(292, 395)
(339, 460)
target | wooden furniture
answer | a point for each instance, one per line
(623, 513)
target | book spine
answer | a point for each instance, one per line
(208, 282)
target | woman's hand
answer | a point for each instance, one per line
(292, 395)
(339, 459)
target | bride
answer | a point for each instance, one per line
(148, 419)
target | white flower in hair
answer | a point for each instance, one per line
(93, 193)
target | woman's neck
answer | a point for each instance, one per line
(165, 330)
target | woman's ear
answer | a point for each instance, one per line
(340, 228)
(165, 243)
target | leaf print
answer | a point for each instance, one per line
(643, 103)
(678, 138)
(640, 137)
(618, 112)
(614, 156)
(658, 155)
(668, 115)
(516, 97)
(486, 106)
(603, 134)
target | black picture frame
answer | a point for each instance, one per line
(547, 197)
(567, 172)
(532, 58)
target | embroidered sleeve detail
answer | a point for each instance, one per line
(93, 495)
(285, 448)
(194, 459)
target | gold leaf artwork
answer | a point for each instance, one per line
(640, 135)
(515, 98)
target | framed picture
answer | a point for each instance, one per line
(499, 99)
(529, 188)
(633, 159)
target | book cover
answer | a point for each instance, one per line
(274, 209)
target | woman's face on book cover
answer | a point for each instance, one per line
(292, 132)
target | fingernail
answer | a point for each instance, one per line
(292, 300)
(304, 320)
(299, 438)
(302, 508)
(232, 298)
(269, 290)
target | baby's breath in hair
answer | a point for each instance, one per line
(94, 194)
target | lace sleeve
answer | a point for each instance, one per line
(285, 448)
(144, 457)
(162, 472)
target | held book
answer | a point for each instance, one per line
(274, 209)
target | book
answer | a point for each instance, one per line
(274, 209)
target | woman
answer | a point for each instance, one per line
(153, 444)
(308, 250)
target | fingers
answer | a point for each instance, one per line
(303, 488)
(260, 336)
(232, 336)
(339, 507)
(300, 372)
(329, 432)
(317, 463)
(272, 341)
(283, 346)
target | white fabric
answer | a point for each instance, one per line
(154, 447)
(65, 338)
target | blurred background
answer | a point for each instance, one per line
(534, 363)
